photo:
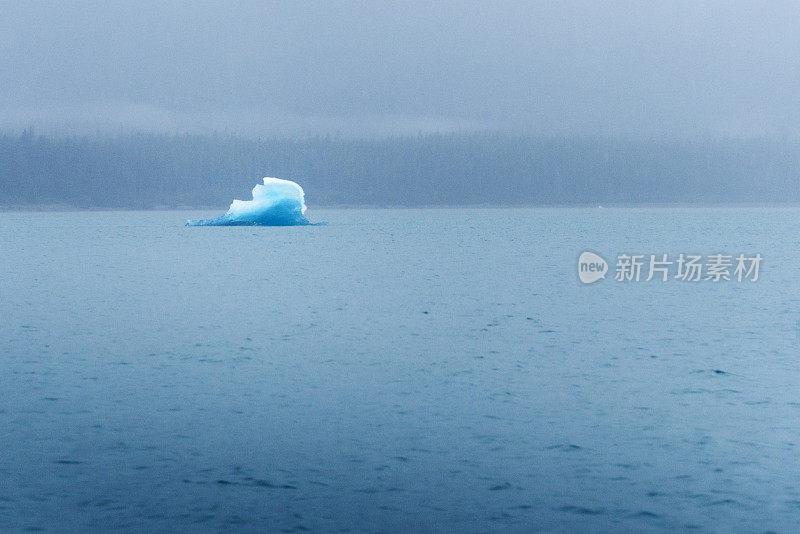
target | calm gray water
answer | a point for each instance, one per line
(414, 370)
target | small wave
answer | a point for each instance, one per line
(581, 510)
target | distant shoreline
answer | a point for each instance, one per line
(480, 170)
(73, 209)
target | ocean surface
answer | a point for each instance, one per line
(397, 370)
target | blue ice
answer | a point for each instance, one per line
(275, 203)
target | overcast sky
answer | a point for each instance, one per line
(666, 69)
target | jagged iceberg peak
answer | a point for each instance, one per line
(275, 203)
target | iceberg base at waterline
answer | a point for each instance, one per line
(275, 203)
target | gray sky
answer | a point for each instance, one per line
(666, 69)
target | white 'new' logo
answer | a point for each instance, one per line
(591, 267)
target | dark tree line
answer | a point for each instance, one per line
(145, 170)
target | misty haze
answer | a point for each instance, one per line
(399, 266)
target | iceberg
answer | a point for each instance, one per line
(275, 203)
